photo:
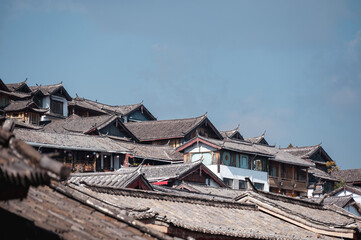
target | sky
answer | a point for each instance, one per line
(290, 68)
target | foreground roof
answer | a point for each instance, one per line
(348, 175)
(21, 166)
(167, 129)
(54, 211)
(323, 219)
(200, 215)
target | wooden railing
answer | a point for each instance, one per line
(288, 184)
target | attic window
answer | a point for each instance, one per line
(56, 107)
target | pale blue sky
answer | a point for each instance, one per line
(292, 68)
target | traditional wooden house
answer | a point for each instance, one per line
(26, 111)
(269, 168)
(173, 132)
(54, 98)
(129, 113)
(110, 125)
(89, 153)
(349, 176)
(231, 160)
(173, 174)
(320, 172)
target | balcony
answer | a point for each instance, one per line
(288, 184)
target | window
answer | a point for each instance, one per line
(257, 165)
(242, 184)
(56, 107)
(244, 162)
(228, 182)
(34, 118)
(273, 171)
(259, 186)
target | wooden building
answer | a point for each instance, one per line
(129, 113)
(269, 168)
(320, 172)
(173, 132)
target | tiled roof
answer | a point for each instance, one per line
(164, 129)
(348, 175)
(64, 216)
(305, 212)
(203, 215)
(121, 110)
(259, 139)
(16, 106)
(23, 166)
(321, 174)
(209, 190)
(340, 201)
(304, 152)
(165, 172)
(108, 179)
(156, 152)
(70, 141)
(231, 134)
(77, 124)
(47, 90)
(15, 86)
(349, 188)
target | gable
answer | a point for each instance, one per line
(205, 129)
(114, 129)
(138, 115)
(199, 147)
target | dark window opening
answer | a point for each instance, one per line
(56, 107)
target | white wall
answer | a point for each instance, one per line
(240, 174)
(198, 148)
(46, 104)
(355, 196)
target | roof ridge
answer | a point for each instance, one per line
(167, 120)
(206, 200)
(304, 147)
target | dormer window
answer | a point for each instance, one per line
(56, 107)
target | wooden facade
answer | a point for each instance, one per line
(25, 116)
(291, 180)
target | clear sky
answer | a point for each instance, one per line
(292, 68)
